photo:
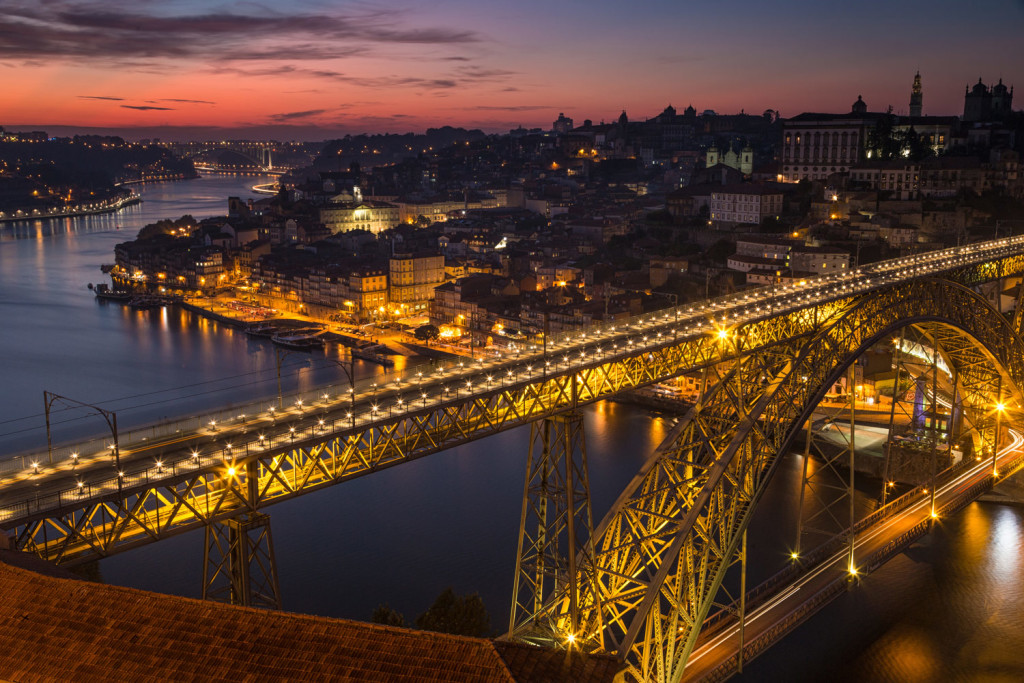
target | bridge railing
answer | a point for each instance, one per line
(825, 550)
(816, 601)
(685, 315)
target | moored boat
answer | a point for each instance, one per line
(102, 291)
(261, 330)
(373, 353)
(299, 342)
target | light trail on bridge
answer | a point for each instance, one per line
(709, 656)
(773, 353)
(456, 383)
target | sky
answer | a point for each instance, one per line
(311, 67)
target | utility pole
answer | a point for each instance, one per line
(852, 390)
(49, 398)
(743, 602)
(892, 417)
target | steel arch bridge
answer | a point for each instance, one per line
(659, 556)
(260, 154)
(663, 550)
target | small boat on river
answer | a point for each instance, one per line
(102, 291)
(299, 342)
(262, 330)
(375, 353)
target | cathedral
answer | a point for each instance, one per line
(984, 104)
(742, 162)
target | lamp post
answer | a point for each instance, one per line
(675, 308)
(1000, 409)
(49, 398)
(350, 372)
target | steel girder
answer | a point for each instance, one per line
(77, 525)
(556, 531)
(663, 550)
(193, 492)
(238, 562)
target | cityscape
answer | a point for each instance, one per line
(366, 342)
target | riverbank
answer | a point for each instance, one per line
(36, 215)
(240, 316)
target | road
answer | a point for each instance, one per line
(29, 484)
(711, 652)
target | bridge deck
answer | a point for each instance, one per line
(327, 440)
(796, 597)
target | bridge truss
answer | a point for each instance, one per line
(660, 555)
(663, 550)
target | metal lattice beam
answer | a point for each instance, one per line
(664, 548)
(556, 540)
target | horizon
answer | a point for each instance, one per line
(330, 68)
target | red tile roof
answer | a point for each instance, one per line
(64, 629)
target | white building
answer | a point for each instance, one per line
(748, 204)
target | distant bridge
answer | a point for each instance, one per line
(643, 584)
(260, 154)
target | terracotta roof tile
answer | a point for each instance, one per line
(62, 629)
(66, 629)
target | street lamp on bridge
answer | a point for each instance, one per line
(49, 398)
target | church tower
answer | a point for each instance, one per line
(915, 96)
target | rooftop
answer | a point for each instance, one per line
(65, 629)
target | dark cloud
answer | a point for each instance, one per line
(83, 30)
(100, 97)
(174, 99)
(476, 73)
(342, 77)
(293, 115)
(514, 107)
(455, 59)
(143, 107)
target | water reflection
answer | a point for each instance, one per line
(948, 610)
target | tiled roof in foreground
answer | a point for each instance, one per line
(65, 629)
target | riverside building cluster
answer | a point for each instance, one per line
(500, 238)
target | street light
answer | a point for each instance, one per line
(1000, 409)
(49, 398)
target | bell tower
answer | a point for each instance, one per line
(916, 96)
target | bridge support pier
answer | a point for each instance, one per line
(238, 562)
(556, 546)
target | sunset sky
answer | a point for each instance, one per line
(334, 66)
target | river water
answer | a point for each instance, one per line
(947, 610)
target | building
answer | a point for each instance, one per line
(556, 274)
(946, 176)
(899, 177)
(746, 204)
(767, 259)
(984, 104)
(742, 162)
(562, 125)
(413, 278)
(916, 96)
(368, 292)
(819, 260)
(814, 146)
(372, 215)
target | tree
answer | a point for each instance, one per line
(426, 333)
(387, 616)
(459, 615)
(720, 251)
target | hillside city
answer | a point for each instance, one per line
(487, 241)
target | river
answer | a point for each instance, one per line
(948, 609)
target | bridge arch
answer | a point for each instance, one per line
(262, 163)
(664, 548)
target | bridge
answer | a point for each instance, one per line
(643, 583)
(259, 154)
